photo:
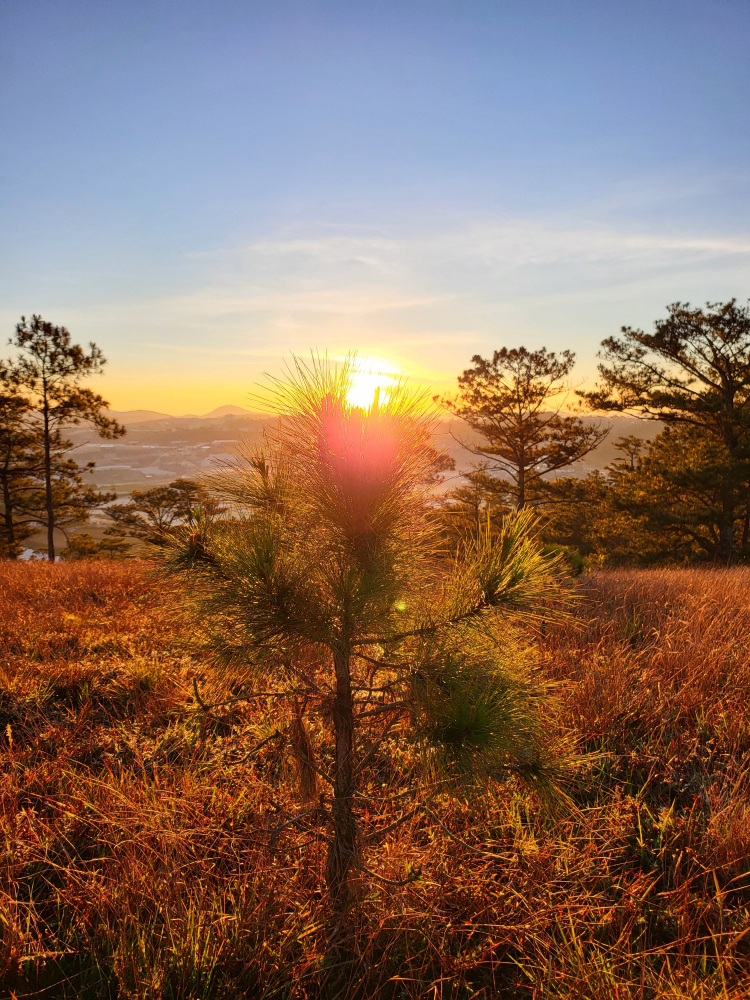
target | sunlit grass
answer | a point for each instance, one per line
(137, 860)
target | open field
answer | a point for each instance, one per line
(137, 855)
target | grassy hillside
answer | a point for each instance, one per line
(139, 852)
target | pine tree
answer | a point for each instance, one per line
(21, 462)
(512, 402)
(692, 374)
(672, 504)
(661, 501)
(150, 515)
(47, 373)
(329, 585)
(481, 502)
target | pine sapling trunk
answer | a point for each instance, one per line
(48, 486)
(343, 849)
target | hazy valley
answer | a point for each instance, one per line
(159, 448)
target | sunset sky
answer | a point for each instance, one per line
(205, 187)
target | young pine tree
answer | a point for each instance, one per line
(328, 583)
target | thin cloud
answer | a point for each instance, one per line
(427, 300)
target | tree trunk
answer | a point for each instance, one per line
(343, 849)
(521, 488)
(726, 541)
(48, 486)
(10, 533)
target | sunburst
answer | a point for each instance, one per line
(371, 380)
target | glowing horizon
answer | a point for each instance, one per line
(178, 397)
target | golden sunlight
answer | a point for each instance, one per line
(370, 381)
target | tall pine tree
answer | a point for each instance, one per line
(47, 373)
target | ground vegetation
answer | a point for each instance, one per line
(147, 850)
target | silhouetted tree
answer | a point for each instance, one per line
(512, 402)
(47, 373)
(21, 462)
(631, 447)
(691, 373)
(440, 463)
(150, 515)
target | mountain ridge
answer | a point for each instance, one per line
(146, 416)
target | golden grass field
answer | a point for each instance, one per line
(136, 856)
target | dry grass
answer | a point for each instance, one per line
(137, 856)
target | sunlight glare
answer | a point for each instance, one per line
(366, 383)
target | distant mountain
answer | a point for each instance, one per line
(136, 416)
(143, 416)
(229, 411)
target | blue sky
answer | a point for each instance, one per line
(204, 187)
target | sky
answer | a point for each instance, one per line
(203, 188)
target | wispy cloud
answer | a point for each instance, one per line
(513, 242)
(452, 280)
(427, 299)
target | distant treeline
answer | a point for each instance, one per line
(680, 497)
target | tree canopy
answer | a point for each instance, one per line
(692, 374)
(694, 369)
(513, 402)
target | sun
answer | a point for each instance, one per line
(370, 381)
